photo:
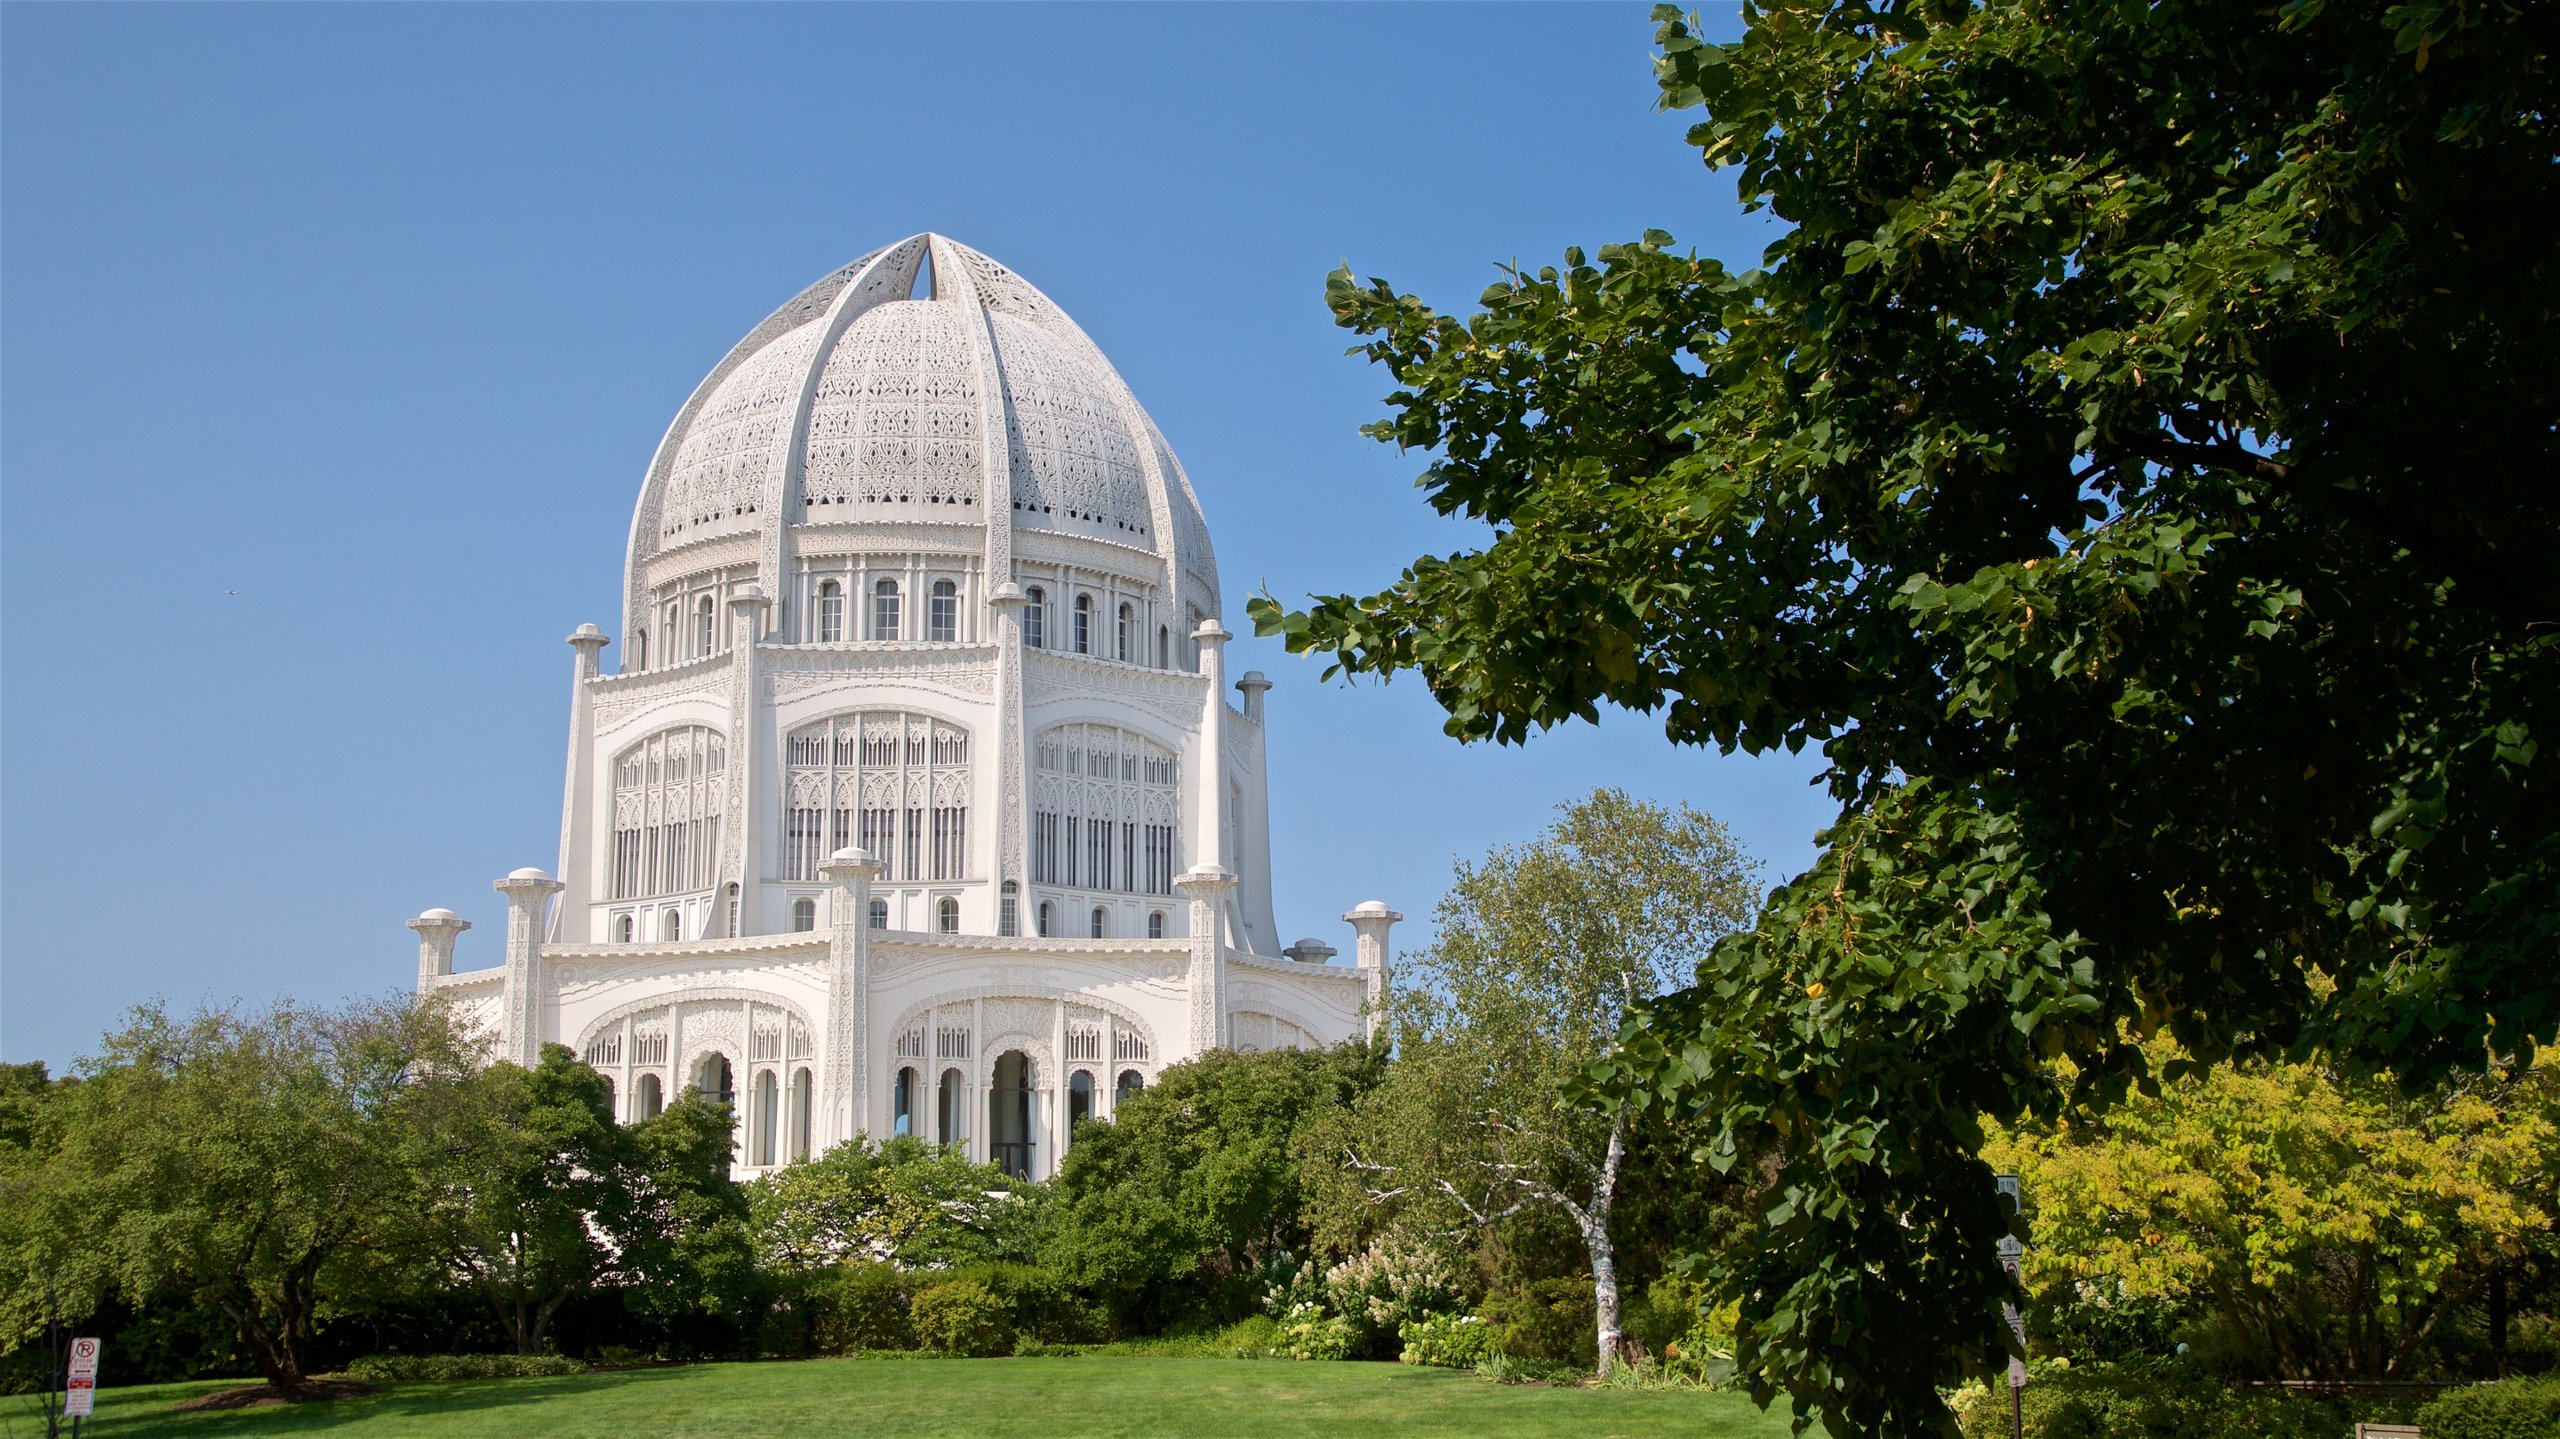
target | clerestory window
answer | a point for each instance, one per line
(884, 610)
(942, 612)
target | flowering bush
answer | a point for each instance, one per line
(1448, 1341)
(1381, 1290)
(1307, 1332)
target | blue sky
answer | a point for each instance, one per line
(336, 339)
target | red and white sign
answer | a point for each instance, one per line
(81, 1389)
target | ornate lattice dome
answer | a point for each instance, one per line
(922, 384)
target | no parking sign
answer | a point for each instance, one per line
(81, 1386)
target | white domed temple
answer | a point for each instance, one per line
(917, 805)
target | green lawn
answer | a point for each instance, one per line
(1077, 1398)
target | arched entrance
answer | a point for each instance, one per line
(1009, 1114)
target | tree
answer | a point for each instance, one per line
(2131, 470)
(249, 1160)
(1192, 1197)
(688, 1251)
(530, 1183)
(1542, 952)
(2328, 1224)
(901, 1202)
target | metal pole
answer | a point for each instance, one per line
(2017, 1413)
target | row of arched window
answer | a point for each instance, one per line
(886, 616)
(1010, 1131)
(1083, 636)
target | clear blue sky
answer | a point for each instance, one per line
(336, 340)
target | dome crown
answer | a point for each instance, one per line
(923, 383)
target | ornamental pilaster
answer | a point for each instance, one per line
(847, 1060)
(528, 893)
(577, 797)
(1371, 920)
(437, 930)
(745, 801)
(1207, 887)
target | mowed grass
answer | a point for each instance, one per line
(1088, 1397)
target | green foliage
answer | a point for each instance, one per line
(906, 1202)
(1178, 1207)
(525, 1176)
(689, 1252)
(1446, 1341)
(861, 1305)
(249, 1162)
(963, 1316)
(2130, 470)
(1306, 1331)
(2326, 1225)
(1549, 1321)
(2154, 1400)
(403, 1368)
(2507, 1409)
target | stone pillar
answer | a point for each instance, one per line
(1209, 849)
(577, 797)
(1010, 836)
(1253, 686)
(528, 892)
(1207, 887)
(437, 930)
(847, 1095)
(745, 805)
(1372, 919)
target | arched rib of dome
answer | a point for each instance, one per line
(1075, 466)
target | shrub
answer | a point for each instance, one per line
(1503, 1369)
(2149, 1399)
(1307, 1332)
(1041, 1304)
(2507, 1409)
(403, 1368)
(1381, 1290)
(962, 1316)
(1248, 1339)
(1447, 1341)
(861, 1306)
(1548, 1322)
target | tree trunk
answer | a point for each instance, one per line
(1604, 1255)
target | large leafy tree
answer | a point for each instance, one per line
(531, 1184)
(1542, 952)
(2132, 470)
(901, 1202)
(251, 1161)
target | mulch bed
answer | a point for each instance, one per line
(259, 1396)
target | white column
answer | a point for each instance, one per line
(577, 803)
(746, 803)
(528, 892)
(437, 929)
(1207, 887)
(846, 1069)
(1208, 848)
(1371, 919)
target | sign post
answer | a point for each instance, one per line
(80, 1386)
(2011, 1251)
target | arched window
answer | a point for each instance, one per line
(767, 1122)
(1130, 1083)
(897, 785)
(1097, 921)
(704, 631)
(1155, 924)
(1079, 1099)
(1120, 637)
(884, 610)
(902, 1103)
(1009, 911)
(1164, 648)
(830, 611)
(1009, 1114)
(640, 649)
(622, 930)
(942, 612)
(668, 791)
(946, 915)
(803, 1091)
(609, 1094)
(650, 1100)
(672, 924)
(946, 1119)
(1044, 917)
(1035, 618)
(804, 915)
(732, 929)
(711, 1079)
(1105, 807)
(879, 916)
(1084, 624)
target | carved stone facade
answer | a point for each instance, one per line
(914, 588)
